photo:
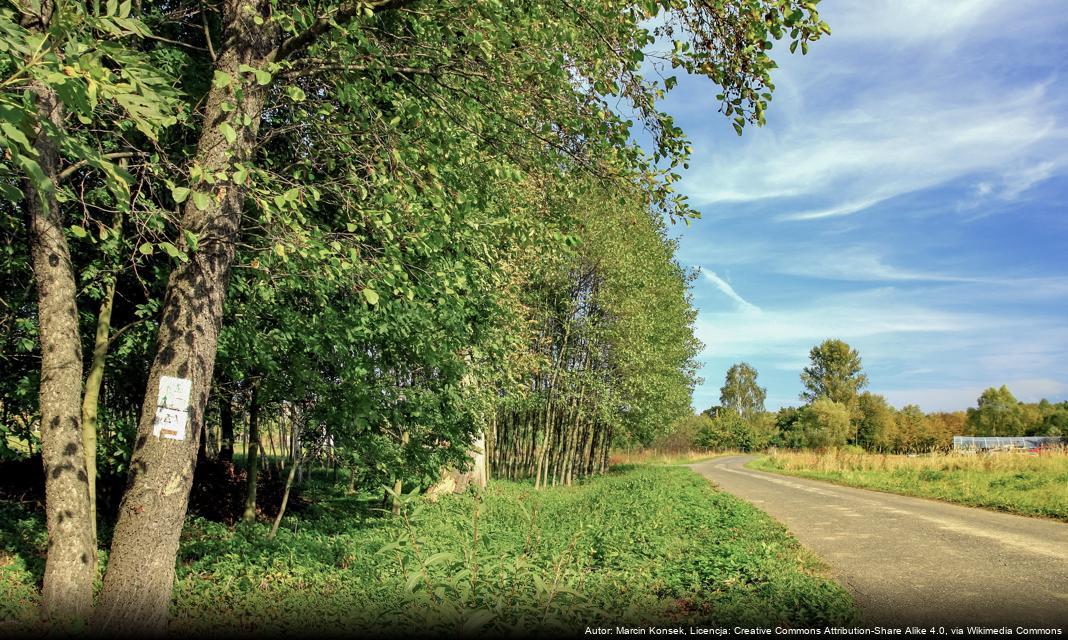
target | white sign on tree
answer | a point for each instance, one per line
(172, 408)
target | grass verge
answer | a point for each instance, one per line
(645, 545)
(1034, 485)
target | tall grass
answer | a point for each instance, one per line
(664, 456)
(1016, 482)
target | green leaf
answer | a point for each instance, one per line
(296, 94)
(476, 621)
(221, 79)
(190, 239)
(78, 231)
(180, 194)
(371, 296)
(228, 132)
(146, 248)
(171, 250)
(201, 200)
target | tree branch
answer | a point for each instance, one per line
(326, 22)
(69, 171)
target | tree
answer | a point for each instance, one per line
(71, 69)
(825, 423)
(998, 414)
(913, 432)
(873, 421)
(789, 427)
(741, 392)
(390, 160)
(835, 372)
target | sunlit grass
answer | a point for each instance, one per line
(664, 456)
(1017, 482)
(643, 545)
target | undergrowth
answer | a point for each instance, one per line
(645, 545)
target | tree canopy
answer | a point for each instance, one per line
(384, 228)
(835, 372)
(741, 392)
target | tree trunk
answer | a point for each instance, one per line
(91, 396)
(289, 483)
(71, 564)
(252, 455)
(285, 499)
(140, 575)
(226, 427)
(398, 484)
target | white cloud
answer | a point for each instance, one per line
(785, 333)
(959, 398)
(908, 21)
(881, 109)
(892, 142)
(729, 291)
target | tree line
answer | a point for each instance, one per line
(839, 412)
(378, 232)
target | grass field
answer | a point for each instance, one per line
(1034, 485)
(666, 456)
(644, 545)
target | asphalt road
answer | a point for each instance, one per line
(912, 561)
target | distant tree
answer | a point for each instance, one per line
(729, 430)
(788, 425)
(741, 392)
(685, 434)
(944, 426)
(913, 431)
(873, 421)
(998, 414)
(825, 423)
(712, 411)
(1054, 419)
(835, 372)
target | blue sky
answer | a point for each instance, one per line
(907, 195)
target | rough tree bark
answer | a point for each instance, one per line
(140, 576)
(71, 564)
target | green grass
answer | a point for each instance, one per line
(1013, 482)
(645, 545)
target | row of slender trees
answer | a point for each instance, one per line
(370, 215)
(613, 350)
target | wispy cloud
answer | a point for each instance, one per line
(729, 291)
(790, 331)
(907, 196)
(887, 145)
(883, 108)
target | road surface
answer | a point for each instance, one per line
(912, 561)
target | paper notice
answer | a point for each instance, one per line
(170, 424)
(172, 408)
(174, 393)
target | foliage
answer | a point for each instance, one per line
(835, 372)
(726, 429)
(341, 200)
(684, 434)
(874, 421)
(1019, 483)
(741, 393)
